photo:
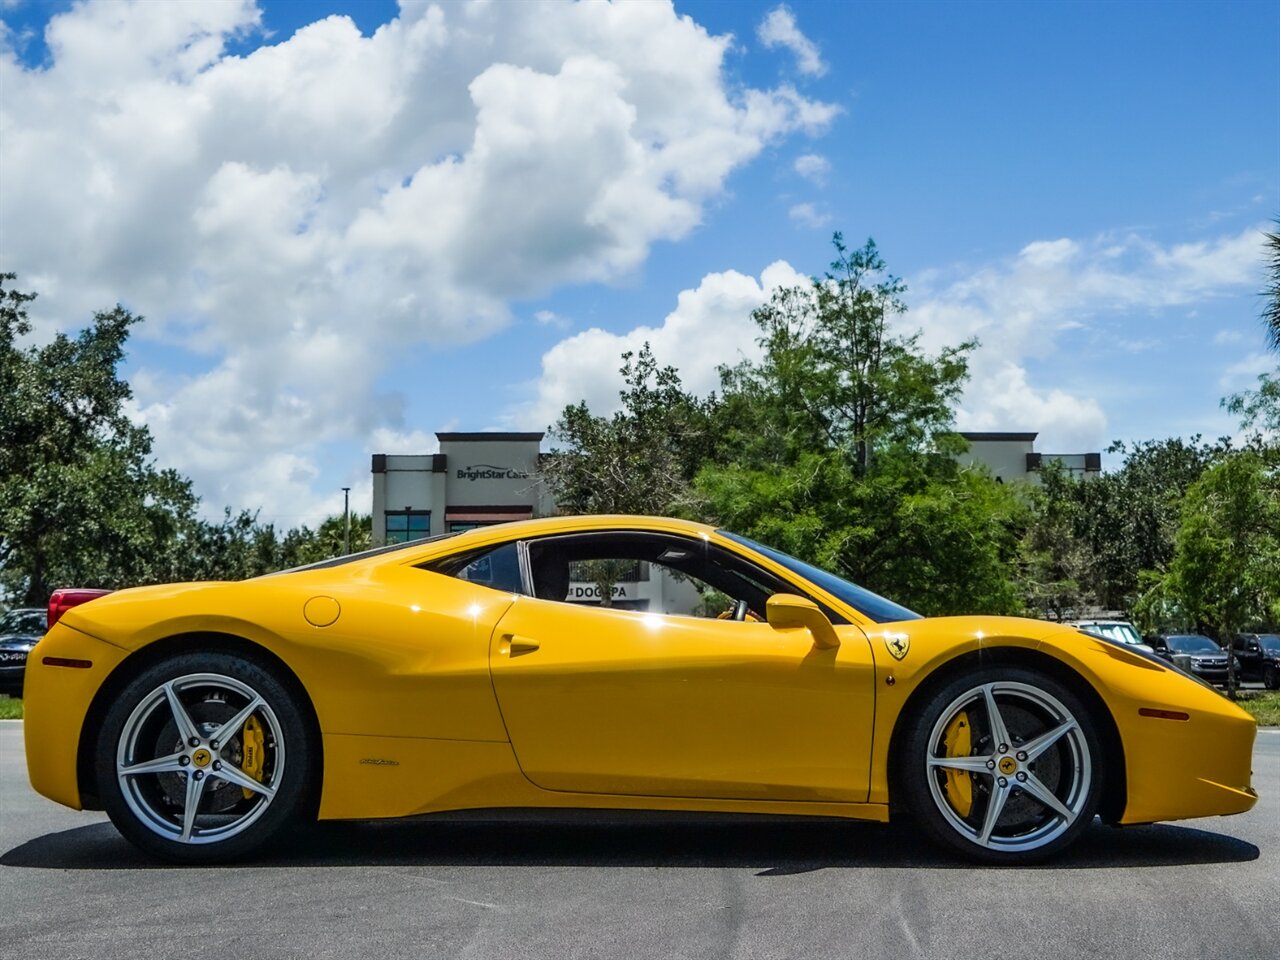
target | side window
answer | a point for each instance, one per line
(655, 573)
(497, 567)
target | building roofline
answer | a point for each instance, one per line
(482, 435)
(1019, 437)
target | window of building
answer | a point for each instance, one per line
(406, 525)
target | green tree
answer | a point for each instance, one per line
(837, 445)
(1226, 564)
(81, 502)
(1271, 309)
(835, 376)
(639, 460)
(1259, 413)
(1091, 538)
(1056, 562)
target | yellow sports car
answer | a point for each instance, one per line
(605, 662)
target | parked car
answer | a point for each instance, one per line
(1259, 656)
(416, 678)
(1119, 630)
(20, 630)
(1206, 659)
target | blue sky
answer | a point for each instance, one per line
(347, 234)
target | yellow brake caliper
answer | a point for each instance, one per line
(959, 743)
(252, 739)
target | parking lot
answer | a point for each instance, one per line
(71, 887)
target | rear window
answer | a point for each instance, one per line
(362, 555)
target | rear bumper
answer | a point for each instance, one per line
(56, 700)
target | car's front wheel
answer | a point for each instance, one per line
(204, 757)
(1003, 765)
(1271, 677)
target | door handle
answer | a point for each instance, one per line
(520, 645)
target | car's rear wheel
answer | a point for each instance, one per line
(204, 757)
(1271, 677)
(1003, 765)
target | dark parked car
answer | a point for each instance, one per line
(20, 630)
(1207, 660)
(1259, 655)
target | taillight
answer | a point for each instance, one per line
(64, 599)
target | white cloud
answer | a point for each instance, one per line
(297, 214)
(711, 325)
(1002, 398)
(779, 29)
(808, 215)
(813, 167)
(386, 440)
(549, 318)
(1226, 338)
(1018, 307)
(1244, 373)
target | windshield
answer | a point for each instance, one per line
(860, 598)
(1193, 644)
(1270, 642)
(23, 621)
(1123, 632)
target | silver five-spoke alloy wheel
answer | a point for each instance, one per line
(1009, 767)
(200, 758)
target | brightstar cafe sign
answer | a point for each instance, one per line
(487, 471)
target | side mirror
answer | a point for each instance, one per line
(785, 610)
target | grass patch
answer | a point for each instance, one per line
(10, 708)
(1263, 704)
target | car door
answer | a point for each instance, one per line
(606, 700)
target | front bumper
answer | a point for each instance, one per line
(1198, 767)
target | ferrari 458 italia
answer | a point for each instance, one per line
(606, 662)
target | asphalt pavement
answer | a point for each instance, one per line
(71, 887)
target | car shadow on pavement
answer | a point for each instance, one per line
(773, 847)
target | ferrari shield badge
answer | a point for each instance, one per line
(898, 644)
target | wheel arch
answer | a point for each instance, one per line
(152, 653)
(1114, 785)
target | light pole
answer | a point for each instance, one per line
(346, 520)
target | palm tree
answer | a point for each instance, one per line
(1271, 312)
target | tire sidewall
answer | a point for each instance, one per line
(912, 773)
(292, 794)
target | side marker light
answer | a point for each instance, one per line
(67, 662)
(1163, 714)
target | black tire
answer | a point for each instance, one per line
(273, 761)
(954, 779)
(1271, 678)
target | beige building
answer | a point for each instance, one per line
(475, 479)
(1012, 456)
